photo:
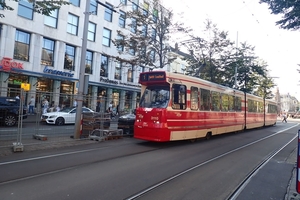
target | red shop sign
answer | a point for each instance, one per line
(8, 65)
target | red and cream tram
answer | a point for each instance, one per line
(179, 107)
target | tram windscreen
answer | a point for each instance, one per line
(155, 97)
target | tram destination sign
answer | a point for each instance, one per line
(152, 77)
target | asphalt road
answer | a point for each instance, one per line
(125, 168)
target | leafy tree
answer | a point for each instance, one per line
(144, 44)
(209, 55)
(44, 7)
(290, 11)
(264, 88)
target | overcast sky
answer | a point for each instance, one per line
(251, 22)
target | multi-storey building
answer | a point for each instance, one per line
(45, 52)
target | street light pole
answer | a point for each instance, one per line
(82, 72)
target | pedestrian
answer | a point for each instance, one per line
(17, 97)
(75, 103)
(31, 105)
(45, 105)
(284, 117)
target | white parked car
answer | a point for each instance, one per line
(64, 116)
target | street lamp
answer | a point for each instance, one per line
(80, 93)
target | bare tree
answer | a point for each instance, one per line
(144, 44)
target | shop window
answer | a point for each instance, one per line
(91, 31)
(118, 71)
(130, 74)
(72, 26)
(22, 43)
(104, 66)
(69, 62)
(25, 9)
(48, 52)
(89, 62)
(51, 20)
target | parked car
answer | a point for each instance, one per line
(126, 122)
(64, 116)
(9, 111)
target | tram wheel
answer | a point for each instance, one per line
(208, 136)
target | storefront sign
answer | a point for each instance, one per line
(8, 65)
(58, 73)
(25, 86)
(106, 80)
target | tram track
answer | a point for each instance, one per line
(243, 183)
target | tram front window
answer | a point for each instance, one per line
(155, 97)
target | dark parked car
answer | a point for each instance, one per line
(126, 122)
(9, 111)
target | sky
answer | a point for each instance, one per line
(251, 22)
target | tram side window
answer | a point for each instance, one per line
(225, 102)
(204, 99)
(238, 104)
(179, 96)
(215, 101)
(272, 108)
(194, 98)
(231, 103)
(260, 107)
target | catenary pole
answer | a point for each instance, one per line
(80, 94)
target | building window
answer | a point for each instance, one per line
(52, 19)
(48, 52)
(72, 24)
(22, 43)
(93, 7)
(155, 15)
(122, 19)
(118, 71)
(124, 2)
(106, 37)
(135, 4)
(104, 66)
(89, 62)
(133, 25)
(120, 45)
(153, 34)
(69, 58)
(146, 9)
(108, 13)
(91, 31)
(25, 9)
(129, 74)
(132, 48)
(152, 56)
(144, 30)
(75, 2)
